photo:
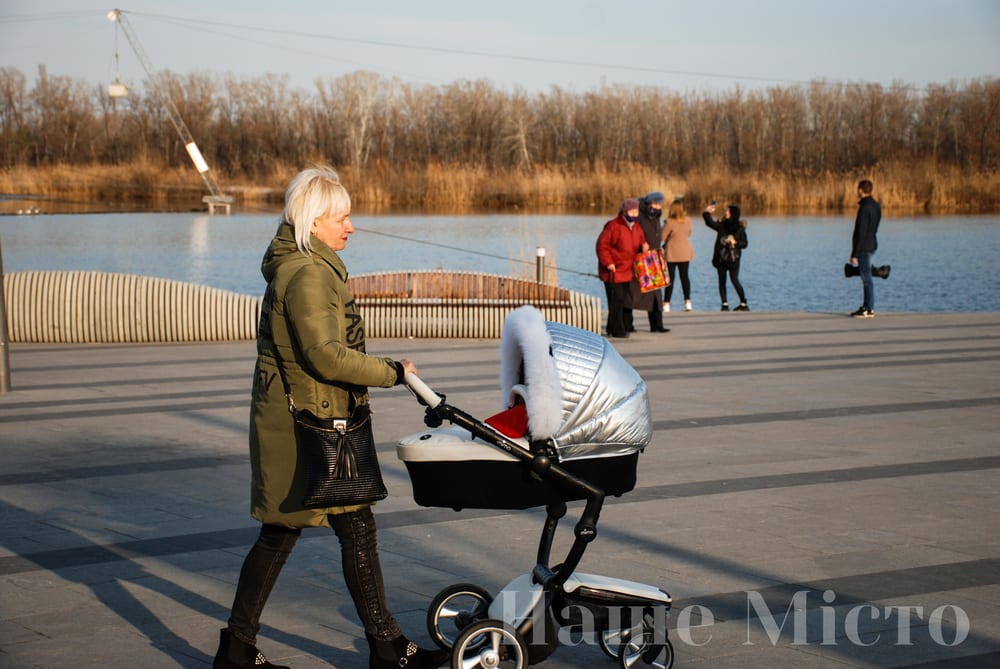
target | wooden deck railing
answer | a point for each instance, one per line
(436, 303)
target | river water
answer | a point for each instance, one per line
(793, 263)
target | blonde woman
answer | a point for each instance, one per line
(310, 326)
(678, 250)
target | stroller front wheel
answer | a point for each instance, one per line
(489, 644)
(611, 640)
(643, 651)
(454, 609)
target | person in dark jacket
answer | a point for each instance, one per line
(310, 325)
(650, 211)
(617, 245)
(730, 235)
(864, 242)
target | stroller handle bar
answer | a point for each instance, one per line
(421, 390)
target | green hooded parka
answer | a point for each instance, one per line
(310, 316)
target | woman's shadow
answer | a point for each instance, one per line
(112, 572)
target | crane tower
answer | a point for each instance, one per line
(215, 197)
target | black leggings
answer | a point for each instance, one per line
(682, 268)
(734, 276)
(362, 573)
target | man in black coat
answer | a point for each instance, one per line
(650, 213)
(864, 243)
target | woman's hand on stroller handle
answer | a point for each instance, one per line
(422, 391)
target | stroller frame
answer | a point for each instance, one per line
(629, 618)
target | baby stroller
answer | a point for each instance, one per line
(577, 418)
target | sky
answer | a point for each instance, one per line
(699, 45)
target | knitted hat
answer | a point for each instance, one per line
(655, 197)
(630, 204)
(734, 211)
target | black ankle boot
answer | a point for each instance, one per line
(401, 652)
(656, 321)
(235, 654)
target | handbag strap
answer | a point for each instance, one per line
(284, 380)
(352, 405)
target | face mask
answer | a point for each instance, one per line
(630, 219)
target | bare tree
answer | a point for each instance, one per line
(253, 128)
(14, 112)
(351, 101)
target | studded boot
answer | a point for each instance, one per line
(236, 654)
(400, 653)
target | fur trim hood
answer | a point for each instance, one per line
(578, 390)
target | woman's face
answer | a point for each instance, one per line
(333, 229)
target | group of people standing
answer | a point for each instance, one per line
(638, 228)
(618, 244)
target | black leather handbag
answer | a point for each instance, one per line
(337, 456)
(338, 459)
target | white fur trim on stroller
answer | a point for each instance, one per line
(576, 417)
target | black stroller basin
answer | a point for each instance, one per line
(449, 468)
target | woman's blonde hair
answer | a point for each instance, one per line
(676, 209)
(312, 193)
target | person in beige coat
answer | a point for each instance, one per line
(678, 251)
(310, 325)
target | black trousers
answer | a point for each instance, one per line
(682, 269)
(619, 318)
(734, 276)
(362, 574)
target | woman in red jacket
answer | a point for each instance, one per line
(617, 245)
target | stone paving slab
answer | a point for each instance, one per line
(797, 458)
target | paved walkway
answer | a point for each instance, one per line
(820, 492)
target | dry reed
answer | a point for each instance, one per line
(918, 187)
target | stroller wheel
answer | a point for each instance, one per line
(611, 640)
(455, 608)
(489, 644)
(644, 651)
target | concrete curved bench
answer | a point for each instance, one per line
(105, 307)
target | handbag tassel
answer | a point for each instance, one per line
(347, 464)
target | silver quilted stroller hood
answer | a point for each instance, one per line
(578, 390)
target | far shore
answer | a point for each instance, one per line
(454, 190)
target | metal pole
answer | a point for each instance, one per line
(4, 351)
(540, 264)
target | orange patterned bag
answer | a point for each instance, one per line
(649, 271)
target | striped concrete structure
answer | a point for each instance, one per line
(71, 307)
(820, 492)
(103, 307)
